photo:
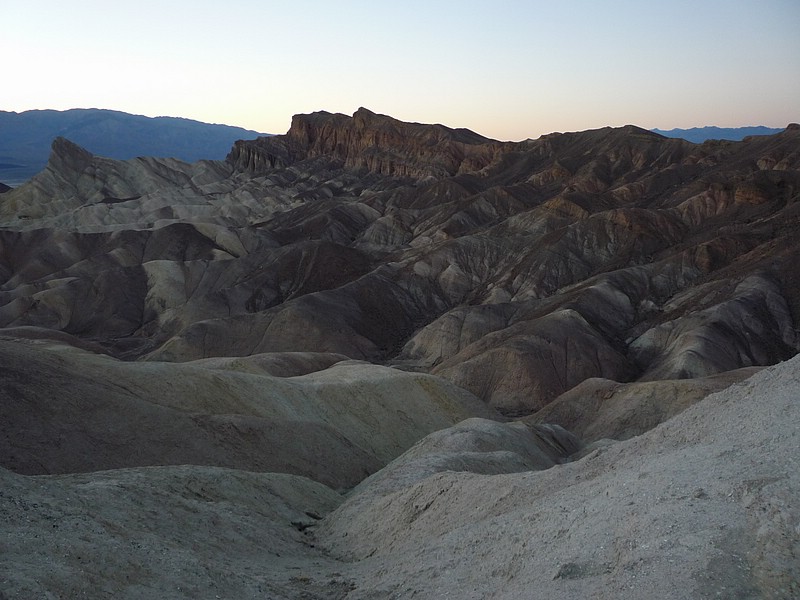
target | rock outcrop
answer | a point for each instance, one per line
(375, 143)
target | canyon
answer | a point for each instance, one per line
(370, 358)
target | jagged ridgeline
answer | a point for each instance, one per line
(515, 270)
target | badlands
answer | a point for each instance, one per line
(376, 359)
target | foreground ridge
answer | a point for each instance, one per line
(701, 507)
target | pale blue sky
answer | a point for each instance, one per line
(506, 69)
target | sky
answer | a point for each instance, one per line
(507, 69)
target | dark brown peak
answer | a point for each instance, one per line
(364, 115)
(601, 140)
(636, 130)
(259, 155)
(365, 120)
(318, 118)
(459, 134)
(626, 133)
(793, 127)
(384, 145)
(306, 129)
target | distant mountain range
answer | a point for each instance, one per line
(699, 135)
(26, 137)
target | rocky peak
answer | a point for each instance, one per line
(377, 143)
(66, 156)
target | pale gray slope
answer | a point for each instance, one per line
(473, 446)
(159, 532)
(703, 506)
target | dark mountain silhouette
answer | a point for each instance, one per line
(25, 137)
(698, 135)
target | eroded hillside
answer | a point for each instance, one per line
(376, 359)
(515, 270)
